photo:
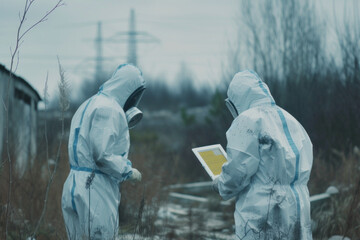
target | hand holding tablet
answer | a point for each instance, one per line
(211, 158)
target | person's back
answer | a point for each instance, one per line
(270, 159)
(93, 111)
(98, 156)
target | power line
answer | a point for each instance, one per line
(132, 38)
(99, 56)
(132, 54)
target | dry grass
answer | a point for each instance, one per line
(28, 194)
(338, 169)
(140, 202)
(149, 157)
(340, 216)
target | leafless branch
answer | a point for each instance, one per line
(43, 19)
(63, 95)
(141, 209)
(46, 97)
(19, 36)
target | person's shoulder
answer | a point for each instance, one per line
(108, 106)
(288, 116)
(251, 115)
(106, 103)
(81, 109)
(293, 123)
(249, 119)
(253, 119)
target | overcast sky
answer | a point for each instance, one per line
(194, 32)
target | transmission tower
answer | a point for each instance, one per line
(132, 55)
(99, 56)
(132, 37)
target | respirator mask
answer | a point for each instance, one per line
(230, 105)
(133, 114)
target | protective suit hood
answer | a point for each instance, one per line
(269, 160)
(98, 148)
(124, 81)
(247, 90)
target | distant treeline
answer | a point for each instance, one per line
(286, 43)
(312, 74)
(328, 106)
(160, 94)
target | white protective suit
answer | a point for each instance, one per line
(269, 163)
(98, 150)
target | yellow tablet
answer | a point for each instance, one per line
(211, 158)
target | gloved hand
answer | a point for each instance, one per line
(215, 185)
(135, 176)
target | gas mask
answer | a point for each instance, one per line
(230, 105)
(133, 114)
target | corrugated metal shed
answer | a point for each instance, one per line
(23, 101)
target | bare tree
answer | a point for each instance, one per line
(285, 42)
(278, 39)
(348, 38)
(21, 33)
(64, 106)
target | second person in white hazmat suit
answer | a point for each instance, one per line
(269, 163)
(98, 155)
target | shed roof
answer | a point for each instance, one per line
(5, 70)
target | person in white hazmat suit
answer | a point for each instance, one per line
(98, 154)
(269, 163)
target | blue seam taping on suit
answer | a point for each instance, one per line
(126, 175)
(289, 139)
(77, 132)
(261, 84)
(296, 152)
(126, 64)
(83, 113)
(86, 169)
(72, 195)
(122, 65)
(76, 139)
